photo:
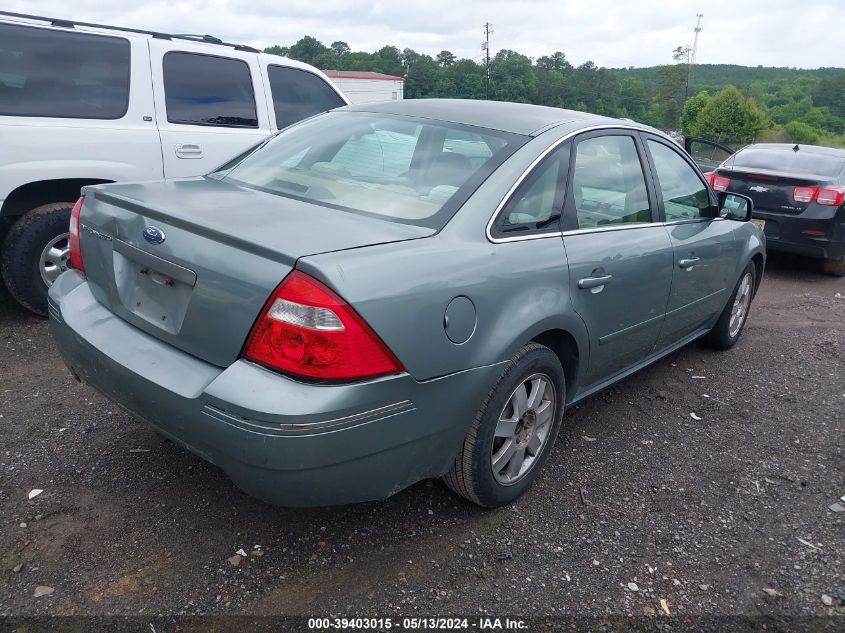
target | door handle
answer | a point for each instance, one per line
(188, 150)
(688, 263)
(594, 283)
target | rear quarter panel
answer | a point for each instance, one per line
(402, 290)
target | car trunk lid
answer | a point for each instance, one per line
(771, 190)
(192, 262)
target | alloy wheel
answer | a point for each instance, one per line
(523, 429)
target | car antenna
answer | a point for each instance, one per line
(796, 148)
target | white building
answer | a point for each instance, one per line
(362, 86)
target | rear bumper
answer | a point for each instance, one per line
(784, 233)
(280, 440)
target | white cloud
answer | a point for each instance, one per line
(607, 32)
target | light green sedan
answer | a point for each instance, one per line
(392, 292)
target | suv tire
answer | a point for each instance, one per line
(23, 254)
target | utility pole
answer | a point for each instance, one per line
(485, 46)
(698, 29)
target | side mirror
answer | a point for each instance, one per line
(735, 206)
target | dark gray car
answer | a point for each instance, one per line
(393, 292)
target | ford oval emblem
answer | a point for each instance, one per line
(153, 235)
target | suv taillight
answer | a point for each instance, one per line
(73, 239)
(717, 182)
(308, 331)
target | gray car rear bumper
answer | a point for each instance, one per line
(281, 440)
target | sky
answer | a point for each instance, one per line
(607, 32)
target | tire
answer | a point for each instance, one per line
(21, 256)
(726, 332)
(535, 369)
(835, 267)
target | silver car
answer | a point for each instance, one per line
(392, 292)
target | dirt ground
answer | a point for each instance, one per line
(726, 515)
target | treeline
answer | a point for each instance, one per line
(762, 103)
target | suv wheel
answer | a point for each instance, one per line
(35, 252)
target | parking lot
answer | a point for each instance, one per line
(641, 502)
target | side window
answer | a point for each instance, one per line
(208, 90)
(608, 186)
(299, 94)
(685, 196)
(707, 155)
(49, 73)
(536, 205)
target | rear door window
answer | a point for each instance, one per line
(299, 94)
(208, 90)
(608, 186)
(47, 73)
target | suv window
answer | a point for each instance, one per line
(684, 195)
(536, 205)
(299, 94)
(208, 90)
(608, 186)
(59, 74)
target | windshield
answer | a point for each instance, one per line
(415, 171)
(789, 161)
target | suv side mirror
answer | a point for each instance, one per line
(735, 206)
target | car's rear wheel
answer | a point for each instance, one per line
(35, 252)
(728, 328)
(513, 431)
(835, 267)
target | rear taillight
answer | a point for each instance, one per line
(804, 194)
(716, 182)
(830, 196)
(73, 239)
(308, 331)
(825, 196)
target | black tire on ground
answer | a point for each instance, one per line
(720, 336)
(835, 267)
(21, 253)
(472, 474)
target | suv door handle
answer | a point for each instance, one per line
(594, 283)
(688, 263)
(188, 150)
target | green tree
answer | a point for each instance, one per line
(831, 93)
(445, 58)
(798, 132)
(692, 108)
(284, 51)
(729, 116)
(340, 48)
(307, 49)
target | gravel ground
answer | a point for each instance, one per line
(726, 515)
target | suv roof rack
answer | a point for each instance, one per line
(69, 24)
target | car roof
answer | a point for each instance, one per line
(518, 118)
(808, 149)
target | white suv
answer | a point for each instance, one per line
(82, 104)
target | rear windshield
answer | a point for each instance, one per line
(415, 171)
(49, 73)
(799, 162)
